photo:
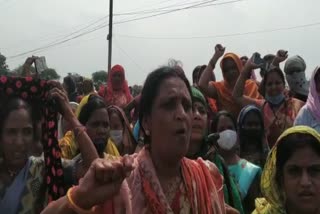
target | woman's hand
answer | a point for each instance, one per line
(281, 56)
(250, 65)
(102, 181)
(219, 51)
(60, 96)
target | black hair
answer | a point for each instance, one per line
(195, 74)
(288, 145)
(267, 74)
(71, 84)
(151, 90)
(94, 103)
(215, 121)
(9, 104)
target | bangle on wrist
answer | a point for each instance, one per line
(74, 206)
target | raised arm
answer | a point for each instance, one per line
(86, 147)
(281, 56)
(238, 91)
(204, 82)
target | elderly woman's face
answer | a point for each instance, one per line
(16, 137)
(301, 180)
(98, 125)
(171, 119)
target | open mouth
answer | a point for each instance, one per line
(181, 132)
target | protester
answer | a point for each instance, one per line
(309, 115)
(221, 91)
(163, 181)
(92, 113)
(117, 90)
(120, 131)
(290, 180)
(278, 110)
(70, 86)
(295, 69)
(88, 87)
(253, 145)
(26, 181)
(200, 146)
(246, 174)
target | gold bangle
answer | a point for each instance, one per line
(75, 207)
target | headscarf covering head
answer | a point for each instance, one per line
(124, 87)
(242, 116)
(313, 101)
(235, 58)
(274, 201)
(295, 68)
(197, 96)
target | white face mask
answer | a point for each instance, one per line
(227, 140)
(116, 136)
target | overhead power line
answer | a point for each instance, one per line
(74, 35)
(222, 35)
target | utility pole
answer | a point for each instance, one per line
(110, 35)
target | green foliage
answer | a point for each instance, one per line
(3, 65)
(99, 78)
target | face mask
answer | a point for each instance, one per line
(100, 145)
(275, 100)
(116, 136)
(227, 139)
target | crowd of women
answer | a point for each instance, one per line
(231, 146)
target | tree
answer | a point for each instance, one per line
(48, 74)
(3, 65)
(99, 77)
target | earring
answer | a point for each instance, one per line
(147, 132)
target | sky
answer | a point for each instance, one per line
(143, 45)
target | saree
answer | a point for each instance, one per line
(201, 190)
(9, 201)
(69, 148)
(273, 201)
(276, 122)
(244, 173)
(309, 115)
(112, 97)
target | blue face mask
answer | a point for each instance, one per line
(275, 100)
